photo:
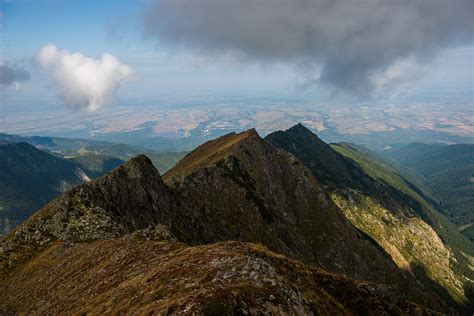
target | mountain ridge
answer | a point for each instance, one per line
(398, 222)
(243, 189)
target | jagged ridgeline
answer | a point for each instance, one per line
(239, 225)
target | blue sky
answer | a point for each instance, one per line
(75, 25)
(161, 69)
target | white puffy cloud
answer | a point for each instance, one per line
(84, 82)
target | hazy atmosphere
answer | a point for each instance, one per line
(77, 67)
(237, 157)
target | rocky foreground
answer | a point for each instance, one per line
(149, 272)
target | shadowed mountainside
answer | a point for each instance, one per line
(29, 178)
(404, 225)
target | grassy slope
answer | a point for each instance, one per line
(386, 172)
(217, 279)
(448, 170)
(90, 152)
(380, 210)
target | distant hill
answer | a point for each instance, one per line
(449, 171)
(85, 149)
(29, 178)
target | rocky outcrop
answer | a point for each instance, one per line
(129, 198)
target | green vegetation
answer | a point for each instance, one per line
(96, 165)
(383, 171)
(97, 155)
(29, 178)
(383, 200)
(449, 171)
(166, 160)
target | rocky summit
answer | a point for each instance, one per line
(240, 225)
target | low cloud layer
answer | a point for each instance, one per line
(84, 83)
(356, 46)
(11, 76)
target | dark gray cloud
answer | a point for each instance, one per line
(11, 76)
(347, 41)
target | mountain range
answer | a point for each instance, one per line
(241, 224)
(92, 152)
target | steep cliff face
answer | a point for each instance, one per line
(396, 221)
(410, 241)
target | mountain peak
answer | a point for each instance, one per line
(298, 134)
(138, 166)
(303, 131)
(243, 188)
(325, 163)
(298, 126)
(211, 152)
(141, 159)
(128, 198)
